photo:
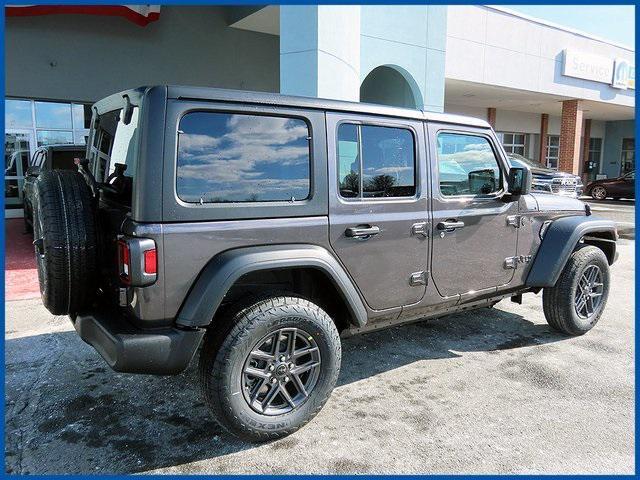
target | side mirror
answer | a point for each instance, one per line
(33, 171)
(519, 181)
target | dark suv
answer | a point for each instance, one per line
(262, 227)
(48, 157)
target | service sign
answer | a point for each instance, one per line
(587, 66)
(619, 73)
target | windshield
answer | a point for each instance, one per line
(66, 159)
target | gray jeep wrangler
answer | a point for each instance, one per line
(257, 229)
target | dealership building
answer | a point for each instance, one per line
(559, 96)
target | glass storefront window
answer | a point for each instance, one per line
(81, 116)
(80, 137)
(514, 142)
(55, 123)
(592, 168)
(553, 151)
(628, 163)
(18, 114)
(52, 137)
(53, 115)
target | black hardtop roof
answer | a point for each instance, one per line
(60, 147)
(276, 99)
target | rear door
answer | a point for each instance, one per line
(473, 220)
(378, 205)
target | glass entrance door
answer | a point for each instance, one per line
(628, 163)
(18, 148)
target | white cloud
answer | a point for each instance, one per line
(238, 155)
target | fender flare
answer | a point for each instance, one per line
(559, 242)
(219, 275)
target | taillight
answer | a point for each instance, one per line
(150, 262)
(124, 262)
(137, 261)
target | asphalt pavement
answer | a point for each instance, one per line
(623, 212)
(489, 391)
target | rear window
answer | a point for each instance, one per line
(114, 143)
(65, 160)
(234, 157)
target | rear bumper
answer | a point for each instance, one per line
(129, 349)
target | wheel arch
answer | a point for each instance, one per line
(232, 270)
(561, 239)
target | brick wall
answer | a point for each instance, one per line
(570, 132)
(491, 117)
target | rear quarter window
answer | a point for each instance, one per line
(235, 157)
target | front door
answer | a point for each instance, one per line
(378, 206)
(18, 148)
(473, 230)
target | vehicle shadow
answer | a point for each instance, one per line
(66, 412)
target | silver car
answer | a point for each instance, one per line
(547, 180)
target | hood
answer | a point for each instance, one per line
(548, 202)
(547, 173)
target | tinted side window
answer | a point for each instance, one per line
(467, 165)
(387, 166)
(229, 157)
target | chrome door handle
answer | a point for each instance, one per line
(449, 226)
(362, 231)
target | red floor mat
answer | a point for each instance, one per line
(21, 276)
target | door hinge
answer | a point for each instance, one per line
(421, 228)
(512, 262)
(515, 221)
(418, 278)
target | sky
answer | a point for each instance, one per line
(611, 22)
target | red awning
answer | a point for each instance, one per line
(139, 14)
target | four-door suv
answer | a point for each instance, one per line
(48, 157)
(264, 226)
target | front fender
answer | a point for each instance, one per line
(559, 242)
(225, 269)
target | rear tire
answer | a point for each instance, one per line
(65, 241)
(247, 345)
(575, 304)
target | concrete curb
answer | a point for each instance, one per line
(626, 231)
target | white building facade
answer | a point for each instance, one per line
(555, 95)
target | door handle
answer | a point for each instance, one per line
(362, 231)
(449, 226)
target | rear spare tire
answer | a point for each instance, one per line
(65, 241)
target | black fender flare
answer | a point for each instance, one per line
(219, 275)
(559, 242)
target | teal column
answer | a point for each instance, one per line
(320, 51)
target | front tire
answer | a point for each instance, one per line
(599, 192)
(575, 304)
(272, 369)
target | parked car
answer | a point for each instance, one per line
(548, 180)
(49, 157)
(265, 227)
(619, 187)
(11, 170)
